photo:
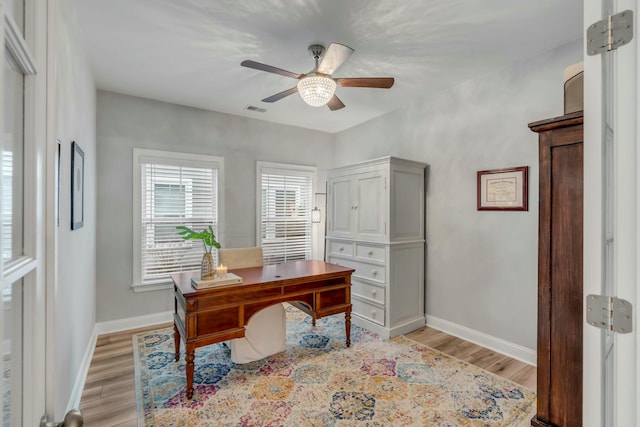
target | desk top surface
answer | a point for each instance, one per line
(267, 275)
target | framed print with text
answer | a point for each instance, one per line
(77, 186)
(503, 189)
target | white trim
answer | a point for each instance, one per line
(119, 325)
(109, 327)
(51, 212)
(284, 169)
(173, 158)
(17, 269)
(18, 47)
(385, 333)
(83, 370)
(149, 287)
(507, 348)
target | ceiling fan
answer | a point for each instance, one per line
(317, 87)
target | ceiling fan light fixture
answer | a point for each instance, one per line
(316, 90)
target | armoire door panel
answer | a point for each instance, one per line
(369, 210)
(342, 203)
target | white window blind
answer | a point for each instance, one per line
(285, 195)
(174, 191)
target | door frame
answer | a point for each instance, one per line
(30, 48)
(625, 398)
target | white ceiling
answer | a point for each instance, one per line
(189, 51)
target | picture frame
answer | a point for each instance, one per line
(503, 189)
(58, 162)
(77, 186)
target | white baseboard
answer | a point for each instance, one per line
(515, 351)
(112, 326)
(81, 378)
(106, 328)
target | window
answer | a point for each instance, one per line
(172, 189)
(284, 204)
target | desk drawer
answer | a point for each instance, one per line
(368, 311)
(367, 290)
(337, 247)
(375, 273)
(369, 252)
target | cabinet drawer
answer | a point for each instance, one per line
(367, 290)
(341, 248)
(375, 273)
(374, 253)
(368, 311)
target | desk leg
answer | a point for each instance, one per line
(347, 325)
(176, 341)
(189, 358)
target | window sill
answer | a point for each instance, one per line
(148, 287)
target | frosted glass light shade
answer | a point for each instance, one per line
(315, 215)
(316, 90)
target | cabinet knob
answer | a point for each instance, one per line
(355, 207)
(373, 293)
(370, 253)
(373, 312)
(341, 248)
(374, 272)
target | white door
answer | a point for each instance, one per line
(612, 236)
(22, 167)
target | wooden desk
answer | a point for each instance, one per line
(207, 316)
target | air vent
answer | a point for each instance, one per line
(257, 109)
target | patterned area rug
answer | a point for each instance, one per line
(318, 381)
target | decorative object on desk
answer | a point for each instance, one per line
(208, 238)
(318, 381)
(77, 186)
(221, 271)
(503, 189)
(229, 279)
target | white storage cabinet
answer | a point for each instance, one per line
(375, 224)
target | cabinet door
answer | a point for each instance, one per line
(340, 206)
(370, 208)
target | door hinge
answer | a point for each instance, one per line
(610, 313)
(610, 33)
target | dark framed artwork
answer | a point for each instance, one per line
(58, 160)
(77, 186)
(503, 189)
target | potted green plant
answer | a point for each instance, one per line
(208, 237)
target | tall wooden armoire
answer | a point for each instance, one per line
(560, 288)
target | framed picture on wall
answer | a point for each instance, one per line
(77, 186)
(503, 189)
(58, 160)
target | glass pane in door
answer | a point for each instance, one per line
(12, 157)
(12, 355)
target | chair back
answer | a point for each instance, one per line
(241, 257)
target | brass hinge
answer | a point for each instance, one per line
(610, 33)
(610, 313)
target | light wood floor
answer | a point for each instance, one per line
(109, 394)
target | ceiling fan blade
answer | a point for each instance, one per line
(280, 95)
(376, 82)
(269, 69)
(335, 103)
(334, 58)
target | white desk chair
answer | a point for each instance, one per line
(266, 331)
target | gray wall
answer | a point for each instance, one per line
(126, 122)
(481, 266)
(74, 295)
